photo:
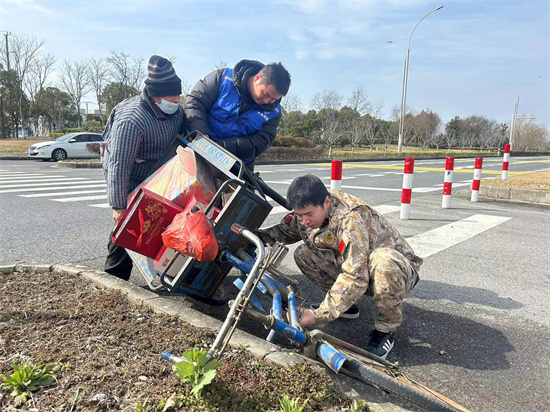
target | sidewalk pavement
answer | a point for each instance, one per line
(377, 400)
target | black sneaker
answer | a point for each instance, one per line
(351, 313)
(380, 343)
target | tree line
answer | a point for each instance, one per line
(32, 102)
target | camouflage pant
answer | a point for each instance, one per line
(391, 277)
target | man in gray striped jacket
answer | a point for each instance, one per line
(137, 134)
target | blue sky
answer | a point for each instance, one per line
(471, 57)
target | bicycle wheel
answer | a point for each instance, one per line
(397, 384)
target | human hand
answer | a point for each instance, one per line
(117, 215)
(308, 318)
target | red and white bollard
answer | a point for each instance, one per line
(448, 182)
(407, 188)
(505, 161)
(477, 178)
(336, 175)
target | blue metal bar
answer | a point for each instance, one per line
(277, 306)
(332, 358)
(238, 263)
(288, 331)
(292, 308)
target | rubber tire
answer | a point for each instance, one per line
(59, 155)
(372, 376)
(219, 298)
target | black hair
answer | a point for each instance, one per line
(274, 74)
(306, 190)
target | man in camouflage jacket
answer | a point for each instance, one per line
(349, 250)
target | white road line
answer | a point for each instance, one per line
(63, 193)
(79, 199)
(36, 189)
(383, 209)
(74, 180)
(369, 175)
(102, 205)
(44, 180)
(30, 176)
(434, 241)
(11, 173)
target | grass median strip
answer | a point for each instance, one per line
(110, 349)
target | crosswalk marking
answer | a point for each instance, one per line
(29, 177)
(81, 185)
(63, 193)
(434, 241)
(44, 180)
(80, 199)
(72, 181)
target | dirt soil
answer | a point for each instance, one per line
(109, 352)
(532, 181)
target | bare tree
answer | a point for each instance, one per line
(126, 71)
(530, 137)
(36, 79)
(221, 65)
(290, 104)
(75, 81)
(359, 101)
(23, 52)
(99, 73)
(332, 128)
(429, 125)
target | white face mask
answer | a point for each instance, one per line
(168, 107)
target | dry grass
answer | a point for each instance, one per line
(532, 181)
(19, 145)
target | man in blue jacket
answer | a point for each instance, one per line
(239, 108)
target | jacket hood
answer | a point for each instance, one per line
(241, 73)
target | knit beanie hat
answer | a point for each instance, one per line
(161, 78)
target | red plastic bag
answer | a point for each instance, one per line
(191, 234)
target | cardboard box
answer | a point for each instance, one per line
(141, 227)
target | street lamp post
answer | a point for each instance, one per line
(405, 81)
(514, 117)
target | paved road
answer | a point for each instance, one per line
(476, 326)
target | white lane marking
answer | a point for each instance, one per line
(102, 205)
(434, 241)
(11, 173)
(279, 209)
(383, 209)
(369, 175)
(44, 180)
(36, 189)
(73, 180)
(83, 192)
(30, 177)
(266, 171)
(295, 170)
(79, 199)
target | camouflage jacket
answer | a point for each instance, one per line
(352, 232)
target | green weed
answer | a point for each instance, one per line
(28, 378)
(196, 370)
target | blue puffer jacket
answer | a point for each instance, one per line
(220, 106)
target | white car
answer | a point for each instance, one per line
(72, 145)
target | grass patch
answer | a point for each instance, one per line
(532, 181)
(8, 146)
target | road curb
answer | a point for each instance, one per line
(376, 400)
(515, 195)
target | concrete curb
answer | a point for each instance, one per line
(377, 400)
(515, 195)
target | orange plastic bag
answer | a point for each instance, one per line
(191, 234)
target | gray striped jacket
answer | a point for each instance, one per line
(136, 136)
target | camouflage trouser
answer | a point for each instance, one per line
(391, 277)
